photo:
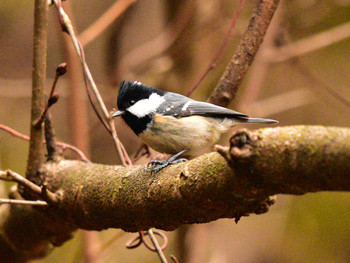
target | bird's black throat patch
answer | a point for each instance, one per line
(138, 125)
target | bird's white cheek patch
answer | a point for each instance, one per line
(146, 106)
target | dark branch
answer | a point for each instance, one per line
(53, 97)
(251, 40)
(50, 139)
(38, 86)
(212, 63)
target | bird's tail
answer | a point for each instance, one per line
(257, 120)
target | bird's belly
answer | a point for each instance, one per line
(171, 135)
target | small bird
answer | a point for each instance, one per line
(174, 124)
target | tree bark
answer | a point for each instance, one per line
(232, 183)
(35, 155)
(248, 46)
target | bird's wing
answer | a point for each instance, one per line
(181, 106)
(208, 109)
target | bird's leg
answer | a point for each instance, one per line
(159, 165)
(142, 151)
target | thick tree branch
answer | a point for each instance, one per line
(251, 40)
(290, 160)
(287, 160)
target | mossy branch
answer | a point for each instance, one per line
(289, 160)
(232, 183)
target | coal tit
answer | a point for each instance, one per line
(170, 123)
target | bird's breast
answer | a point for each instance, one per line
(171, 135)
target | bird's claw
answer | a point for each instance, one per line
(155, 162)
(158, 165)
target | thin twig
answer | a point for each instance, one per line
(111, 241)
(67, 27)
(9, 175)
(163, 41)
(156, 245)
(106, 248)
(77, 105)
(90, 83)
(49, 130)
(212, 63)
(135, 242)
(142, 151)
(306, 71)
(273, 105)
(107, 18)
(23, 202)
(47, 195)
(164, 237)
(140, 239)
(308, 44)
(61, 144)
(60, 71)
(174, 258)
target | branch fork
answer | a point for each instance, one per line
(42, 191)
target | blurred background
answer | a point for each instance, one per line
(300, 76)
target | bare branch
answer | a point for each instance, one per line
(9, 175)
(212, 63)
(308, 44)
(279, 103)
(163, 41)
(38, 86)
(307, 73)
(106, 247)
(259, 72)
(107, 18)
(105, 119)
(43, 192)
(52, 154)
(61, 144)
(251, 40)
(61, 70)
(22, 202)
(157, 247)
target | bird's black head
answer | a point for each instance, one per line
(137, 103)
(132, 92)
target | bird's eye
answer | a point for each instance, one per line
(131, 102)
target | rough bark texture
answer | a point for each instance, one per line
(236, 182)
(251, 40)
(291, 160)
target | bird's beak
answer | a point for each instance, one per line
(117, 113)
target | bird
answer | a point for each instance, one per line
(174, 124)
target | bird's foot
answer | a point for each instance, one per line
(158, 165)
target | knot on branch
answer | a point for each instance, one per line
(241, 144)
(241, 156)
(258, 205)
(241, 147)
